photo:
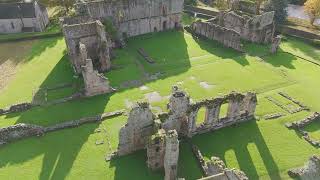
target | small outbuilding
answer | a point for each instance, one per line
(23, 17)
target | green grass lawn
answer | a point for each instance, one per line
(263, 149)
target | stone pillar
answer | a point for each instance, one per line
(250, 103)
(192, 118)
(275, 44)
(139, 128)
(178, 106)
(171, 156)
(103, 48)
(213, 113)
(234, 107)
(156, 150)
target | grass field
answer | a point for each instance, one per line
(263, 149)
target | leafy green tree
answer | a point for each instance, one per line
(66, 4)
(279, 6)
(312, 7)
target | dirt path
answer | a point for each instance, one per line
(11, 55)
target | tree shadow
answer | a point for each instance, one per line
(237, 139)
(133, 166)
(216, 48)
(281, 59)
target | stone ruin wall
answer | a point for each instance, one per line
(146, 130)
(19, 131)
(230, 27)
(228, 37)
(310, 171)
(135, 134)
(93, 36)
(215, 168)
(257, 29)
(135, 17)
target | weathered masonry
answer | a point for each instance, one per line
(230, 27)
(135, 17)
(89, 52)
(93, 36)
(159, 133)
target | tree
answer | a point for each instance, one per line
(279, 6)
(312, 7)
(222, 4)
(66, 4)
(258, 5)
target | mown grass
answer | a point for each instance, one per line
(263, 149)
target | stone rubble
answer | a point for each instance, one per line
(311, 170)
(215, 169)
(299, 125)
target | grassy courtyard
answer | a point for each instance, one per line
(262, 149)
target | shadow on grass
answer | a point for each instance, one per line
(59, 151)
(134, 166)
(281, 59)
(299, 45)
(237, 139)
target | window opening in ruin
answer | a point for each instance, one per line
(12, 25)
(155, 29)
(124, 35)
(164, 11)
(164, 25)
(176, 25)
(201, 116)
(223, 110)
(157, 149)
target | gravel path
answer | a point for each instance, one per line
(298, 12)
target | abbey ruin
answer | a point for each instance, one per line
(230, 27)
(159, 133)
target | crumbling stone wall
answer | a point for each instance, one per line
(93, 36)
(135, 17)
(178, 106)
(171, 155)
(215, 169)
(241, 107)
(135, 134)
(19, 131)
(16, 108)
(156, 150)
(227, 37)
(311, 170)
(94, 82)
(257, 28)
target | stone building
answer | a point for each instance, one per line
(23, 17)
(89, 52)
(135, 17)
(93, 36)
(159, 133)
(229, 28)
